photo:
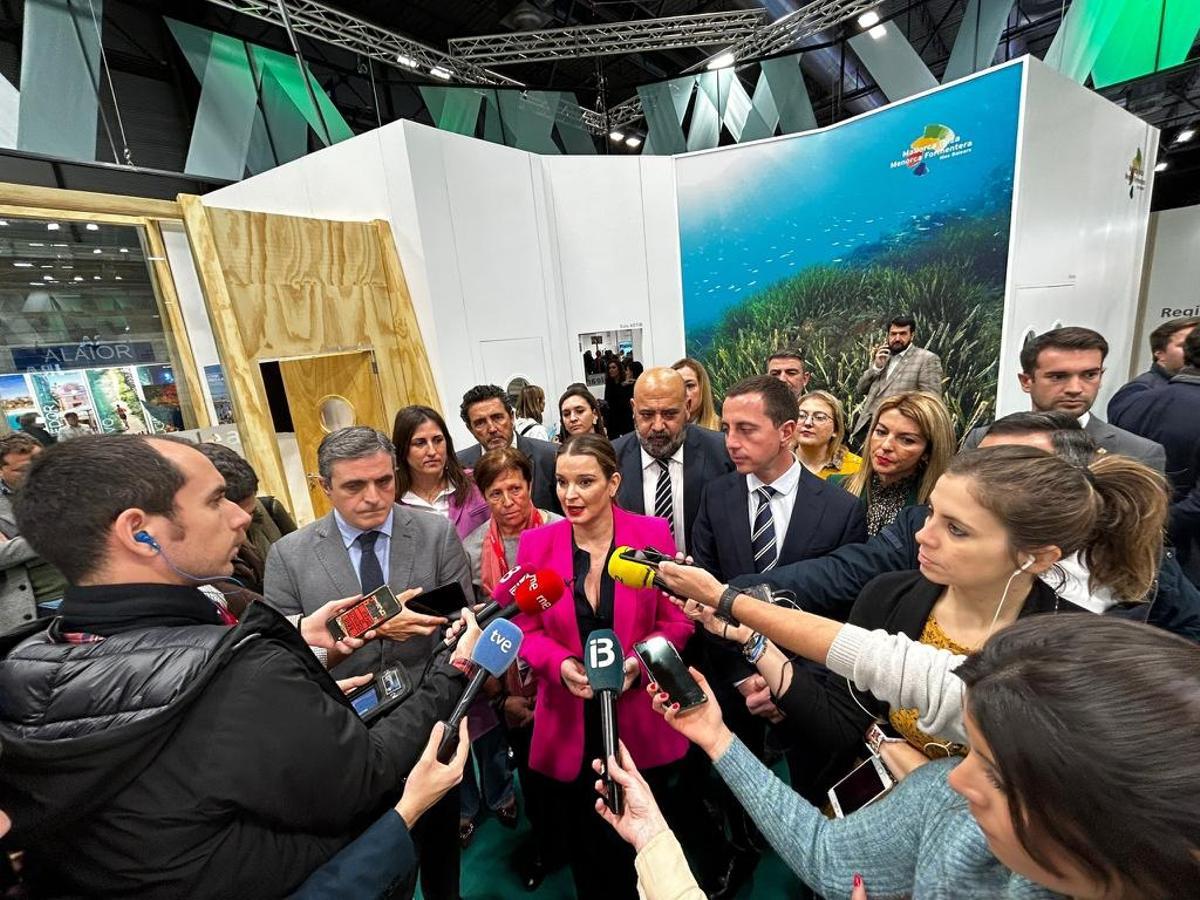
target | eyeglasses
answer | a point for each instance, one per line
(818, 418)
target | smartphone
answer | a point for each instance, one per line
(647, 557)
(446, 601)
(370, 612)
(662, 663)
(372, 700)
(862, 787)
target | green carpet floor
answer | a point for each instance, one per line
(487, 872)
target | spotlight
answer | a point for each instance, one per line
(407, 61)
(92, 226)
(52, 226)
(616, 136)
(1186, 135)
(1161, 167)
(442, 73)
(724, 61)
(868, 19)
(633, 141)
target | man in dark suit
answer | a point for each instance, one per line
(487, 411)
(367, 541)
(1061, 369)
(1166, 348)
(665, 462)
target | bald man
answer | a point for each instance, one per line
(666, 462)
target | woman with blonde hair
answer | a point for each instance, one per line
(821, 436)
(908, 447)
(531, 404)
(701, 409)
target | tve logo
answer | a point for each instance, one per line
(504, 643)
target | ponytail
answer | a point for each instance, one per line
(1131, 511)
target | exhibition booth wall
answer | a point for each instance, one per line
(1173, 262)
(1009, 202)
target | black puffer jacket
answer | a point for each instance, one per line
(196, 761)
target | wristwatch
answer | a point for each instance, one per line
(725, 605)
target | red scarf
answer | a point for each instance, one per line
(493, 563)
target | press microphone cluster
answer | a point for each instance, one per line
(494, 652)
(604, 662)
(520, 590)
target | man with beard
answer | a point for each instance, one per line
(896, 367)
(666, 462)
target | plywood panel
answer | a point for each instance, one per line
(309, 382)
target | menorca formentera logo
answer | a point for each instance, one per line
(937, 142)
(1135, 176)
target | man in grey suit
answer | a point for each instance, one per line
(369, 540)
(896, 367)
(1062, 370)
(487, 411)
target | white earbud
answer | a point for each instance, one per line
(1029, 561)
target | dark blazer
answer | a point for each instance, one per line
(824, 518)
(1170, 416)
(1108, 437)
(1118, 405)
(704, 459)
(543, 454)
(821, 711)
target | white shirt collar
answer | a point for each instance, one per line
(1084, 419)
(648, 460)
(411, 498)
(350, 533)
(784, 484)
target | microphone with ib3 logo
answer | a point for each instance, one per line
(604, 662)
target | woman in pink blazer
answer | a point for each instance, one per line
(566, 732)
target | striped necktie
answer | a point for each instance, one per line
(664, 498)
(762, 535)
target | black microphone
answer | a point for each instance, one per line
(494, 652)
(532, 594)
(604, 662)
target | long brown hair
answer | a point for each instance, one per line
(1114, 511)
(581, 391)
(407, 421)
(932, 417)
(1092, 722)
(705, 415)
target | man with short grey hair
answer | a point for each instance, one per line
(367, 541)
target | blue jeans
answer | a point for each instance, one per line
(490, 751)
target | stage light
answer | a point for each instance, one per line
(97, 250)
(1186, 135)
(724, 61)
(617, 136)
(406, 61)
(23, 265)
(52, 226)
(633, 141)
(439, 72)
(868, 19)
(878, 32)
(77, 278)
(1161, 167)
(92, 226)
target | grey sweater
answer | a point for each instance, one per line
(919, 841)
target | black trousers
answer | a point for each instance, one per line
(436, 839)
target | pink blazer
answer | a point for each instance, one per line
(557, 749)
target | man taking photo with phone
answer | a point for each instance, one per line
(152, 747)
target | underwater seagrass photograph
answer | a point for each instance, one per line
(815, 240)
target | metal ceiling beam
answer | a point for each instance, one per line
(323, 23)
(637, 36)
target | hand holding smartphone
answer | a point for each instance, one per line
(665, 667)
(368, 613)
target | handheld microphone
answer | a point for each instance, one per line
(632, 572)
(604, 662)
(505, 592)
(532, 594)
(494, 653)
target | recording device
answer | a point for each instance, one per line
(370, 612)
(665, 667)
(604, 661)
(388, 689)
(494, 652)
(862, 787)
(532, 593)
(446, 601)
(637, 568)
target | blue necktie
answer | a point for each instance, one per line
(370, 573)
(762, 535)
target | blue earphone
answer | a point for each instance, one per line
(144, 537)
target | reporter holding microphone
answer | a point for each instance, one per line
(567, 732)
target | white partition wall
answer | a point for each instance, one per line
(510, 256)
(1172, 284)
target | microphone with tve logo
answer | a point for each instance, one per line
(605, 665)
(494, 652)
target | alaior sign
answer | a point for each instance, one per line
(84, 355)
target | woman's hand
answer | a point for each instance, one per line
(691, 582)
(632, 670)
(470, 635)
(640, 819)
(860, 889)
(712, 623)
(574, 678)
(901, 758)
(429, 780)
(703, 726)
